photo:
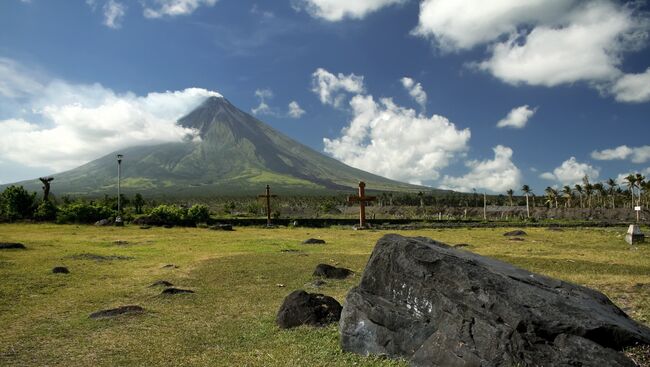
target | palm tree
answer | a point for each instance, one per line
(510, 192)
(630, 181)
(551, 196)
(611, 191)
(567, 193)
(526, 190)
(600, 189)
(579, 190)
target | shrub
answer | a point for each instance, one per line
(46, 210)
(17, 203)
(82, 212)
(168, 214)
(198, 213)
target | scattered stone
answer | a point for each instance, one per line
(437, 306)
(289, 250)
(60, 270)
(11, 245)
(96, 257)
(318, 283)
(280, 285)
(331, 272)
(176, 291)
(221, 227)
(104, 222)
(120, 242)
(169, 266)
(302, 308)
(517, 232)
(461, 245)
(122, 310)
(159, 283)
(516, 239)
(313, 241)
(146, 226)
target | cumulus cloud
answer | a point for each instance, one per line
(636, 154)
(517, 117)
(416, 91)
(337, 10)
(295, 111)
(396, 142)
(571, 172)
(332, 89)
(547, 42)
(172, 8)
(263, 108)
(496, 175)
(632, 88)
(69, 124)
(113, 14)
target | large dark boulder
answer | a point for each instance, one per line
(331, 272)
(11, 246)
(438, 306)
(302, 308)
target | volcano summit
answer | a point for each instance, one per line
(236, 155)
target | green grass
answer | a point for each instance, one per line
(230, 318)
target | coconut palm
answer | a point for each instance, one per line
(602, 193)
(510, 192)
(611, 190)
(551, 196)
(526, 190)
(630, 182)
(579, 190)
(567, 194)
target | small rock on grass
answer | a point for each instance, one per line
(302, 308)
(169, 266)
(11, 246)
(331, 272)
(161, 283)
(60, 270)
(113, 312)
(176, 291)
(313, 241)
(517, 232)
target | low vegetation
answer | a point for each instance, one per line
(240, 279)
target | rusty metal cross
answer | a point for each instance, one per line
(362, 199)
(268, 197)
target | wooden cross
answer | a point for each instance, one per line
(362, 199)
(268, 197)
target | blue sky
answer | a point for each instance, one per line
(459, 94)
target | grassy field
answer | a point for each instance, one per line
(240, 279)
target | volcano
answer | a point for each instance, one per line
(236, 155)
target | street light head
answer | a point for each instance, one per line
(119, 158)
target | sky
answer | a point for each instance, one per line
(457, 94)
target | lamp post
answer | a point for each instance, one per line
(118, 218)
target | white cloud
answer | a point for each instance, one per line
(295, 111)
(462, 24)
(632, 88)
(571, 172)
(517, 117)
(396, 142)
(496, 175)
(174, 8)
(636, 154)
(337, 10)
(113, 14)
(15, 81)
(415, 91)
(263, 108)
(70, 124)
(331, 88)
(548, 42)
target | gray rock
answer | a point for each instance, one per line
(517, 232)
(437, 306)
(331, 272)
(176, 291)
(11, 246)
(302, 308)
(104, 222)
(313, 241)
(60, 270)
(113, 312)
